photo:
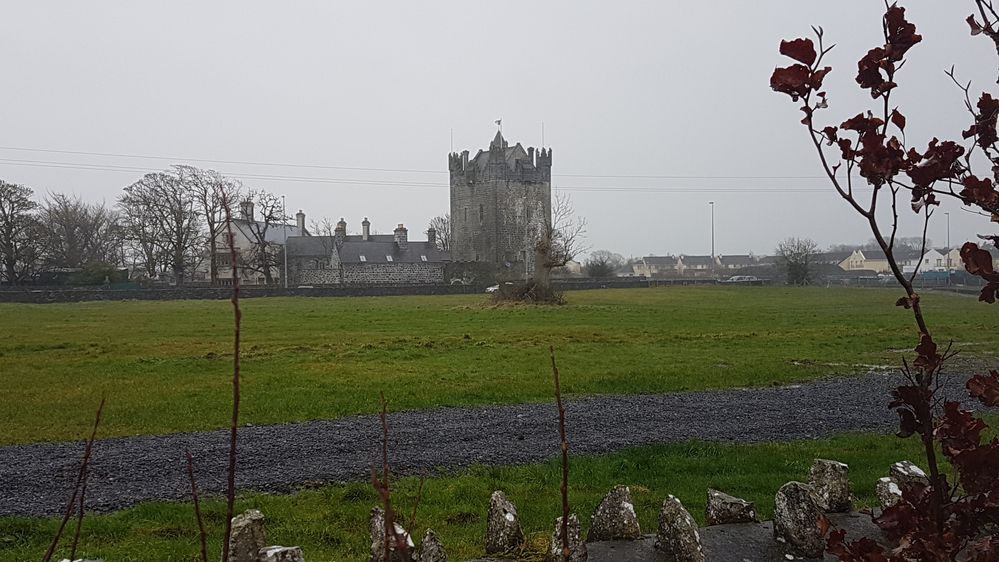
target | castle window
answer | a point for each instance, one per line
(362, 257)
(388, 257)
(423, 258)
(466, 214)
(482, 213)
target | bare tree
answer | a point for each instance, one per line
(76, 234)
(442, 226)
(165, 209)
(603, 263)
(559, 240)
(141, 233)
(795, 256)
(209, 189)
(19, 248)
(265, 254)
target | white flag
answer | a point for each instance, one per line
(499, 122)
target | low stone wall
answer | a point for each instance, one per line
(42, 296)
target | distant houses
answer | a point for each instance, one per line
(691, 265)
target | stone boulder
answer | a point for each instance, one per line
(248, 536)
(796, 519)
(281, 554)
(503, 532)
(615, 519)
(831, 481)
(577, 548)
(888, 492)
(905, 472)
(377, 528)
(677, 535)
(432, 550)
(723, 508)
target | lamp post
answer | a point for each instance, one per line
(948, 229)
(284, 248)
(712, 204)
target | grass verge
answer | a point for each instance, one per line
(165, 366)
(330, 523)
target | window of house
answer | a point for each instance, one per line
(939, 262)
(362, 257)
(476, 257)
(388, 257)
(423, 258)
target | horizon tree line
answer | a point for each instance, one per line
(167, 223)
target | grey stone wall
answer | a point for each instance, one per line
(393, 274)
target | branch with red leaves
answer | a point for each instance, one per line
(935, 521)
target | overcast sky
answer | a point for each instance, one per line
(659, 88)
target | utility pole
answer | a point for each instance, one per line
(712, 204)
(284, 248)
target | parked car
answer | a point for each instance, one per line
(742, 279)
(492, 289)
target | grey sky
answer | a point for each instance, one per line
(625, 88)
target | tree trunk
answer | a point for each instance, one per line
(542, 273)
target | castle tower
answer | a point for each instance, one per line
(499, 200)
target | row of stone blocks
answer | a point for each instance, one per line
(798, 507)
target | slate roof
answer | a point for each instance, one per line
(691, 261)
(511, 155)
(831, 257)
(660, 261)
(310, 246)
(375, 249)
(275, 232)
(738, 260)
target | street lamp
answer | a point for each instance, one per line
(948, 229)
(284, 249)
(712, 204)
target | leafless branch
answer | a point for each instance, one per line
(81, 483)
(237, 320)
(197, 506)
(564, 445)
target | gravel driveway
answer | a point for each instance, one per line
(36, 479)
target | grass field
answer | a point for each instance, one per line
(330, 523)
(166, 366)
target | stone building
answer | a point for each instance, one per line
(365, 259)
(251, 235)
(499, 200)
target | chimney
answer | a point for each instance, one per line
(365, 229)
(340, 233)
(432, 236)
(246, 210)
(401, 237)
(300, 220)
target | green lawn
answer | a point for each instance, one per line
(166, 366)
(330, 523)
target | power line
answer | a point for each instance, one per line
(390, 170)
(237, 162)
(434, 185)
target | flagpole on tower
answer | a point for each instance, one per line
(499, 123)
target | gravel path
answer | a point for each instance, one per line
(36, 479)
